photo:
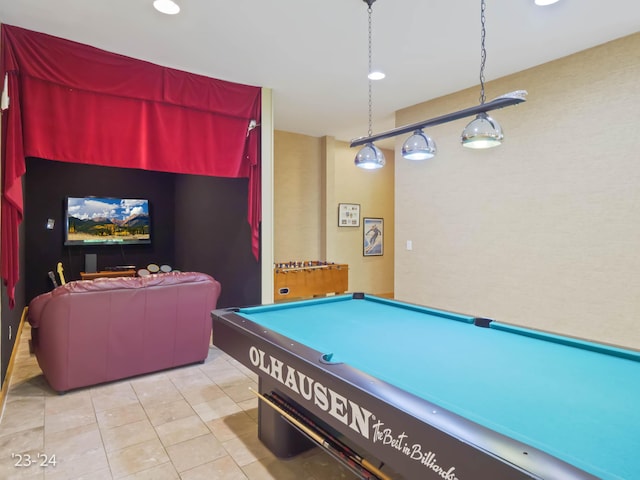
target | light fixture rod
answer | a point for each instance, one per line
(369, 12)
(500, 102)
(483, 50)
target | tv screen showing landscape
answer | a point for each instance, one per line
(107, 221)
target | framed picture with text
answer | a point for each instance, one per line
(373, 237)
(348, 214)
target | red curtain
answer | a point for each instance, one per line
(75, 103)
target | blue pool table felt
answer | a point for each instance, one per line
(575, 402)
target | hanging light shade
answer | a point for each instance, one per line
(419, 146)
(482, 132)
(370, 157)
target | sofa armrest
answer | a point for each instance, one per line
(36, 307)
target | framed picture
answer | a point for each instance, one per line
(373, 237)
(348, 214)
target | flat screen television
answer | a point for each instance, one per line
(107, 221)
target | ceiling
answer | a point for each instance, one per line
(313, 55)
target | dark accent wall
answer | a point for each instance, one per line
(214, 236)
(188, 214)
(10, 320)
(47, 185)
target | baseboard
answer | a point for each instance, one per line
(7, 377)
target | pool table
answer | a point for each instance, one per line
(424, 393)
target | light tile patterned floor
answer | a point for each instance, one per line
(190, 423)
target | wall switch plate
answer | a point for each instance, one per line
(50, 224)
(409, 245)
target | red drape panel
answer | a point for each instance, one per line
(13, 167)
(75, 103)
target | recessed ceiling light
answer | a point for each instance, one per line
(166, 6)
(543, 3)
(376, 75)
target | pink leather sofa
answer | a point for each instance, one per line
(95, 331)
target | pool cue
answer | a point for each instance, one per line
(319, 439)
(357, 458)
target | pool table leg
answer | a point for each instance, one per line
(278, 435)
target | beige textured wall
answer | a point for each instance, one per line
(374, 191)
(543, 231)
(311, 176)
(297, 199)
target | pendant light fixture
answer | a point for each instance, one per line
(482, 132)
(370, 157)
(419, 146)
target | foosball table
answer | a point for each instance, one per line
(296, 280)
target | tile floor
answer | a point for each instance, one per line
(190, 423)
